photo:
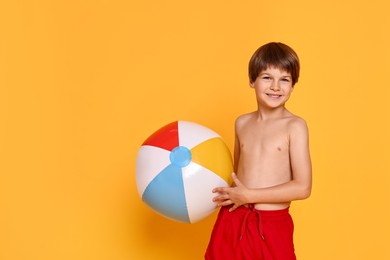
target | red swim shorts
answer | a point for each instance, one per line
(248, 233)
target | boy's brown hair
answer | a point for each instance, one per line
(277, 55)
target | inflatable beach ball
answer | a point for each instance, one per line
(178, 166)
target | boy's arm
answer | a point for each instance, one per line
(299, 187)
(236, 149)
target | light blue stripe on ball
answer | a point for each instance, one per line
(165, 194)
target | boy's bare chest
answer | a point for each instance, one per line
(264, 140)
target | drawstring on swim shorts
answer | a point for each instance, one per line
(244, 224)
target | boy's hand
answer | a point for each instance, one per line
(231, 195)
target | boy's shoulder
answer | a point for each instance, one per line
(242, 119)
(296, 124)
(290, 117)
(290, 121)
(294, 119)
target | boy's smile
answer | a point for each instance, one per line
(273, 95)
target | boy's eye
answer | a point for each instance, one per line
(286, 80)
(266, 77)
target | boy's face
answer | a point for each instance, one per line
(273, 87)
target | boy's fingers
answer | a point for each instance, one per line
(233, 208)
(221, 197)
(225, 203)
(220, 190)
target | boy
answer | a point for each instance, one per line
(272, 166)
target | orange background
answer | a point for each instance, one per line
(84, 83)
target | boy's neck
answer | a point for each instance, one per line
(274, 113)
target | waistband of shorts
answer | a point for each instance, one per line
(263, 213)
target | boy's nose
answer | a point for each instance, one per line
(275, 86)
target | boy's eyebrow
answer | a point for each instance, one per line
(284, 76)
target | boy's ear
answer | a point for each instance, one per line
(251, 84)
